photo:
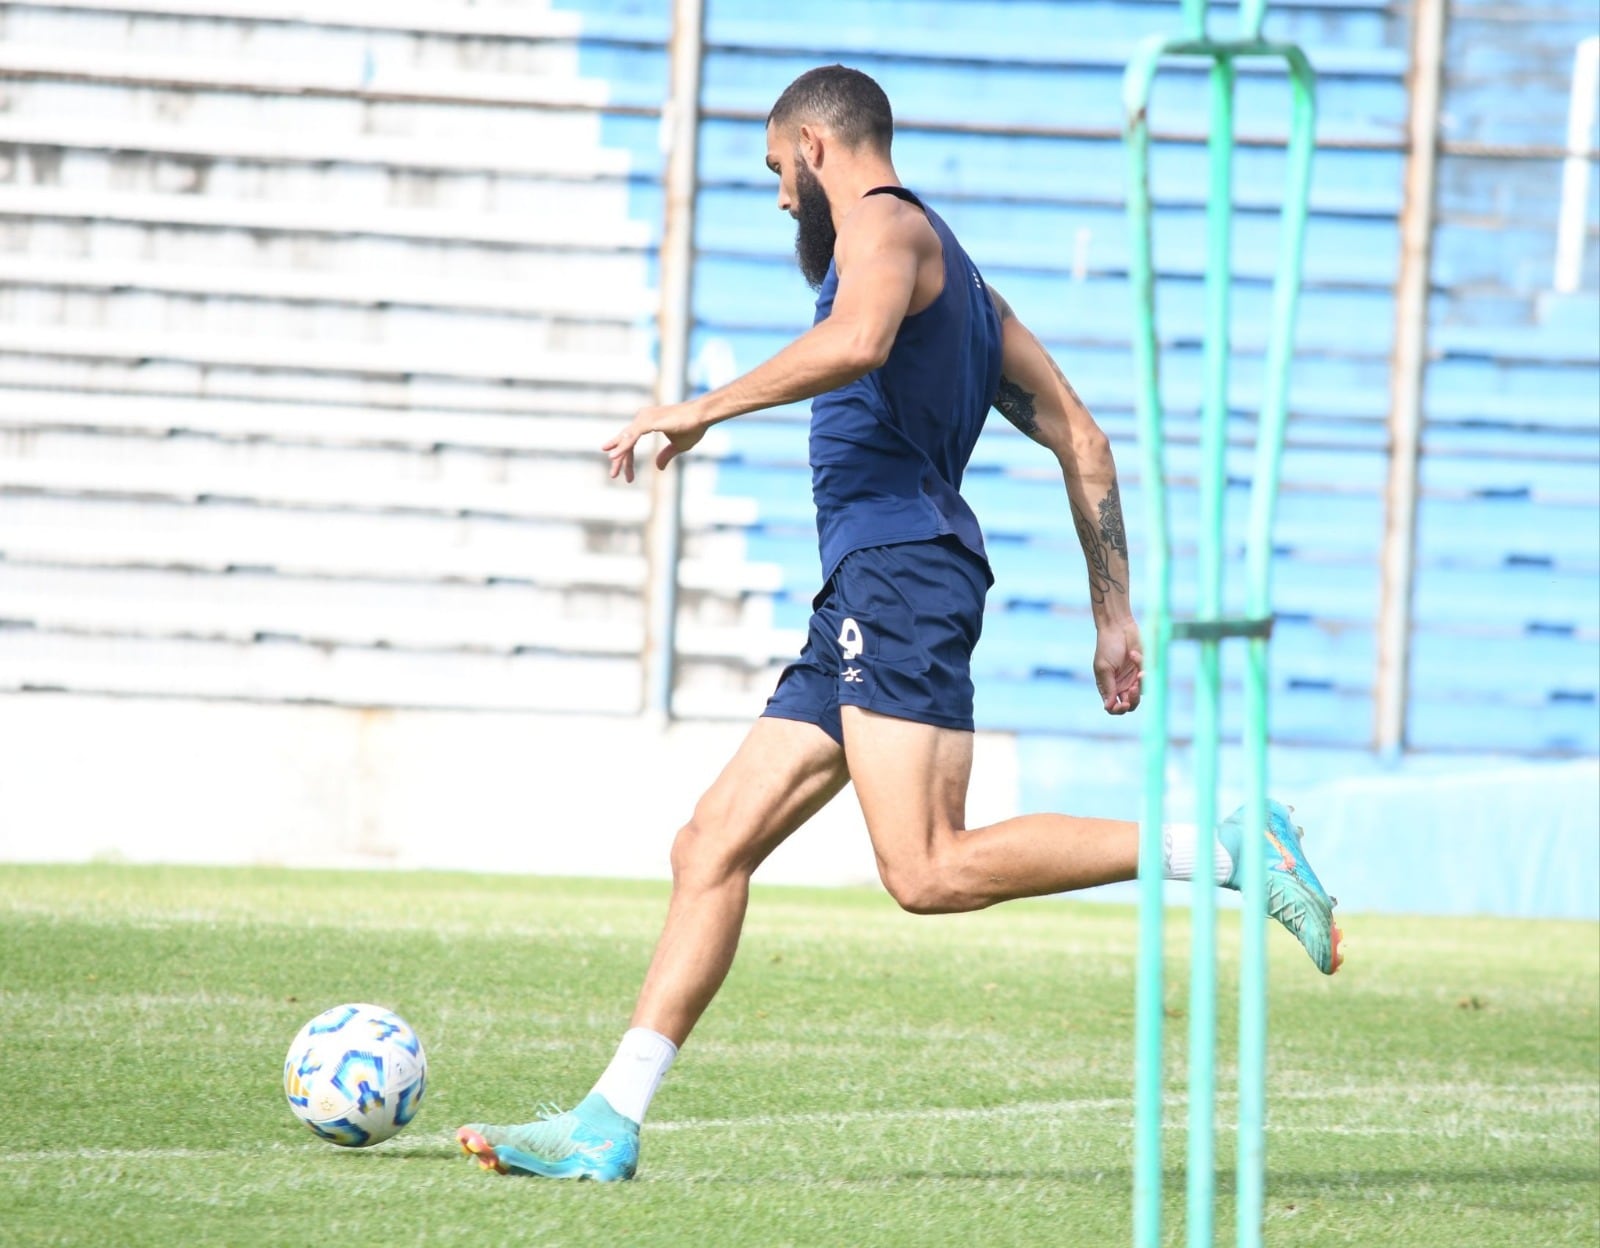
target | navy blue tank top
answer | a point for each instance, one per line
(888, 450)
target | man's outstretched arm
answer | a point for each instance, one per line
(1037, 398)
(878, 250)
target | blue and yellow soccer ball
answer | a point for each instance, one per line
(355, 1074)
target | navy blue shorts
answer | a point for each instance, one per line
(892, 631)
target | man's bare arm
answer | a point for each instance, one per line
(877, 252)
(1035, 396)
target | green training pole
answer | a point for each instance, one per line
(1258, 576)
(1149, 980)
(1209, 628)
(1208, 683)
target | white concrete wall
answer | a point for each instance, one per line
(85, 779)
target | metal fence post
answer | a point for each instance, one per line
(1408, 371)
(680, 133)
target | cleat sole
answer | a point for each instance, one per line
(1336, 950)
(480, 1150)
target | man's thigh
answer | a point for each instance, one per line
(784, 772)
(911, 779)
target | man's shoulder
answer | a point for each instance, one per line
(879, 219)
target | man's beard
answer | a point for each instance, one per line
(814, 233)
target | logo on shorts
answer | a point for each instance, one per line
(852, 676)
(850, 639)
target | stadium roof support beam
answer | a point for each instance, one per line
(1408, 374)
(680, 131)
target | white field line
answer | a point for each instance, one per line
(1049, 1109)
(844, 1118)
(999, 1114)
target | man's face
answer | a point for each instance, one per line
(800, 194)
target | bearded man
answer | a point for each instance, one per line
(909, 350)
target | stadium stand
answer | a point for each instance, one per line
(311, 320)
(1505, 627)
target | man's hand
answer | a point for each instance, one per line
(680, 422)
(1119, 667)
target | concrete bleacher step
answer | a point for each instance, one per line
(422, 429)
(1507, 446)
(293, 672)
(1060, 236)
(448, 482)
(247, 606)
(1017, 645)
(1365, 103)
(607, 286)
(739, 292)
(1026, 32)
(1078, 167)
(465, 359)
(290, 61)
(491, 206)
(1065, 706)
(612, 232)
(1511, 530)
(779, 438)
(332, 18)
(1350, 468)
(253, 607)
(40, 140)
(1577, 313)
(1547, 344)
(530, 302)
(1323, 385)
(1478, 725)
(1546, 480)
(27, 375)
(1448, 661)
(1511, 597)
(339, 337)
(1534, 375)
(219, 537)
(1534, 400)
(1017, 503)
(1457, 528)
(1071, 707)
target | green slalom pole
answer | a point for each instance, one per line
(1208, 683)
(1149, 982)
(1209, 629)
(1258, 605)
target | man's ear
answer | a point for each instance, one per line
(809, 142)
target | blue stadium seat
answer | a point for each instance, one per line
(1048, 236)
(1354, 183)
(1025, 31)
(1505, 530)
(1536, 725)
(1365, 102)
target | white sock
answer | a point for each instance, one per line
(1180, 847)
(637, 1070)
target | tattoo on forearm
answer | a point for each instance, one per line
(1112, 530)
(1016, 405)
(1097, 555)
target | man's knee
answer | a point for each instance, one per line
(929, 884)
(707, 849)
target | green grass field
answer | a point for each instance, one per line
(866, 1077)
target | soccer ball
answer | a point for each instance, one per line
(355, 1074)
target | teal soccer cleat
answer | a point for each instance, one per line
(1295, 897)
(592, 1141)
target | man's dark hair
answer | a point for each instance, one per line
(845, 100)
